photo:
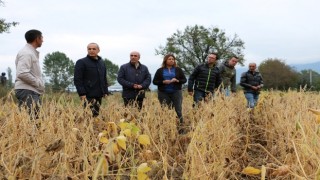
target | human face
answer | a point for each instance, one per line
(252, 67)
(93, 50)
(134, 57)
(212, 58)
(233, 61)
(39, 41)
(170, 61)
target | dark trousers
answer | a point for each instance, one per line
(172, 100)
(200, 96)
(30, 100)
(133, 102)
(94, 105)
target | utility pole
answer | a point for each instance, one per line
(310, 73)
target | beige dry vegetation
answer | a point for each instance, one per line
(280, 137)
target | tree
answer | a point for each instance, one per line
(310, 78)
(59, 69)
(112, 71)
(277, 75)
(9, 82)
(192, 46)
(5, 26)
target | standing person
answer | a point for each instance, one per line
(204, 79)
(169, 79)
(90, 78)
(252, 82)
(29, 84)
(3, 79)
(228, 74)
(135, 80)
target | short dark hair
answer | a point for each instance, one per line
(32, 35)
(234, 56)
(216, 54)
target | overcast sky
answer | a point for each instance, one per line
(285, 29)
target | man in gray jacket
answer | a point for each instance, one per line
(135, 80)
(29, 84)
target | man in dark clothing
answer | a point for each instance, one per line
(204, 79)
(228, 75)
(135, 80)
(90, 78)
(3, 79)
(252, 82)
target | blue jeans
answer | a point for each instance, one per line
(252, 99)
(226, 91)
(30, 100)
(199, 96)
(172, 99)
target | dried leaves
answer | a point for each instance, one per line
(55, 146)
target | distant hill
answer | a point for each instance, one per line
(313, 66)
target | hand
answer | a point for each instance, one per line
(255, 87)
(190, 93)
(137, 86)
(167, 81)
(174, 80)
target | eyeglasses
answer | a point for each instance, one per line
(252, 66)
(134, 55)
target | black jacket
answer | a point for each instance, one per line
(204, 78)
(249, 79)
(90, 77)
(158, 79)
(128, 75)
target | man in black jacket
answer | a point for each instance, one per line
(204, 79)
(90, 78)
(3, 79)
(252, 82)
(135, 80)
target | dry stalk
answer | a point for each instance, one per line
(204, 166)
(296, 152)
(4, 165)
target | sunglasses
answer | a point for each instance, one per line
(134, 55)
